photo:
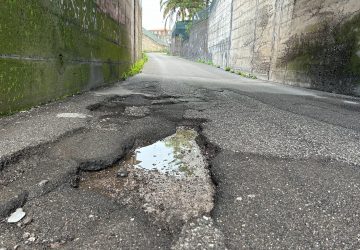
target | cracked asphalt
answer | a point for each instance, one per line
(283, 166)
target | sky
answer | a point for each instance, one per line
(152, 16)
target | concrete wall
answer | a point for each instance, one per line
(50, 49)
(196, 47)
(320, 46)
(298, 42)
(149, 45)
(219, 35)
(252, 35)
(176, 46)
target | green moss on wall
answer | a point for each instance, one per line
(28, 83)
(349, 34)
(31, 28)
(55, 48)
(329, 56)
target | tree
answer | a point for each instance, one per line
(182, 9)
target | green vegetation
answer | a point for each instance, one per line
(182, 9)
(228, 69)
(247, 75)
(189, 27)
(136, 68)
(208, 62)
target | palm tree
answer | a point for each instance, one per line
(173, 9)
(182, 9)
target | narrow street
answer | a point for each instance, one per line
(278, 165)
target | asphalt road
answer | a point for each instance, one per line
(288, 172)
(284, 162)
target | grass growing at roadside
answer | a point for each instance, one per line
(136, 68)
(240, 73)
(246, 75)
(228, 69)
(205, 62)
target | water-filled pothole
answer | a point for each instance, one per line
(177, 155)
(168, 179)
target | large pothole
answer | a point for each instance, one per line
(169, 179)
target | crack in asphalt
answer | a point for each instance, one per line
(74, 148)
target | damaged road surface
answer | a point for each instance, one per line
(169, 177)
(183, 156)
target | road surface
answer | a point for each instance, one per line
(283, 166)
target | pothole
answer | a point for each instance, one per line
(169, 179)
(177, 155)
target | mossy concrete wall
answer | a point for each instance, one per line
(320, 46)
(52, 48)
(300, 42)
(309, 43)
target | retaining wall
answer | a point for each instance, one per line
(50, 49)
(307, 43)
(196, 46)
(299, 42)
(219, 32)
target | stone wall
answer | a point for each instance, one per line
(299, 42)
(50, 49)
(320, 46)
(219, 32)
(253, 35)
(196, 46)
(307, 43)
(176, 46)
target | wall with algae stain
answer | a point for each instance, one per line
(307, 43)
(315, 44)
(300, 42)
(50, 48)
(324, 52)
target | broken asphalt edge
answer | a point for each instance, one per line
(72, 177)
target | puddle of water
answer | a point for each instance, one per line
(173, 155)
(178, 155)
(169, 178)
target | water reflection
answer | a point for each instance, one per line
(170, 155)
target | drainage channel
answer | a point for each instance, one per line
(169, 180)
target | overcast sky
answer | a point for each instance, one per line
(152, 16)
